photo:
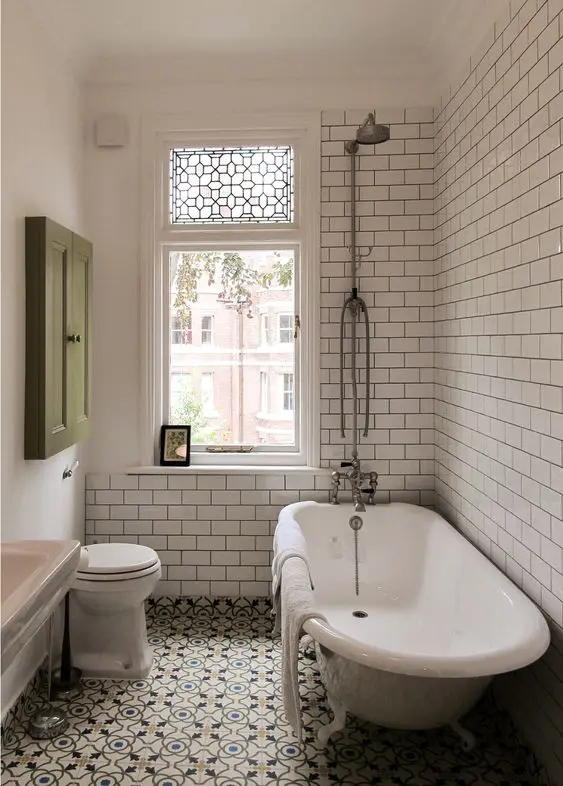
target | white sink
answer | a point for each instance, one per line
(36, 574)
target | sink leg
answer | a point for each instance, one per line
(49, 722)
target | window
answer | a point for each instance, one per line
(264, 329)
(207, 393)
(288, 392)
(286, 328)
(179, 332)
(207, 330)
(180, 392)
(264, 392)
(236, 284)
(235, 240)
(231, 185)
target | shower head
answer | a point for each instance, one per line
(369, 133)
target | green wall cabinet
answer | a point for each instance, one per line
(58, 338)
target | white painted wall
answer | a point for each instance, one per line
(42, 174)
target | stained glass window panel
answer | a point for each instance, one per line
(231, 185)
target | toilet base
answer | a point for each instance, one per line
(110, 645)
(104, 666)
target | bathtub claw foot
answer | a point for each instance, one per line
(306, 643)
(468, 739)
(337, 723)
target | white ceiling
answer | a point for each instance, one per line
(314, 38)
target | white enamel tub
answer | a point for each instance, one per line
(441, 620)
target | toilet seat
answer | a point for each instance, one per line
(110, 562)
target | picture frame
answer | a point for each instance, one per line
(175, 443)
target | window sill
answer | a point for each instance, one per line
(228, 469)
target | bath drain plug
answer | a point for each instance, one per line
(360, 614)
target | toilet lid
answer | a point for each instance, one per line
(118, 558)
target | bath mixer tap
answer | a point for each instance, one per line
(356, 478)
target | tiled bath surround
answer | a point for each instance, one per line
(395, 243)
(498, 325)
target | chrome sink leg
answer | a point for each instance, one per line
(48, 722)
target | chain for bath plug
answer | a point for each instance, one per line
(356, 524)
(357, 566)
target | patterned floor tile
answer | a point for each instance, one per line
(210, 713)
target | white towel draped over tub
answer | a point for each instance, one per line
(296, 608)
(288, 542)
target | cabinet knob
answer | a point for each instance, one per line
(74, 338)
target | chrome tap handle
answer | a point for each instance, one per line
(335, 486)
(373, 476)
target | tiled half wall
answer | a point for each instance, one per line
(213, 532)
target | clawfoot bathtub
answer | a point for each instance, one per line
(432, 622)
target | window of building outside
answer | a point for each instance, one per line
(179, 334)
(288, 392)
(207, 330)
(207, 392)
(180, 391)
(264, 391)
(264, 328)
(286, 328)
(233, 244)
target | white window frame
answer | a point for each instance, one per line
(159, 134)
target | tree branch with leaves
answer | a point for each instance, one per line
(236, 276)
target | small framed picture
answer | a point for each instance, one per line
(175, 446)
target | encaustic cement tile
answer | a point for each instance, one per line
(211, 713)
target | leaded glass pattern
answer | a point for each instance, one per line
(231, 185)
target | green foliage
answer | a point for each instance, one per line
(283, 272)
(188, 411)
(237, 279)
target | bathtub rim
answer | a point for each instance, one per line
(532, 646)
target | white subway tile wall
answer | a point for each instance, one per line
(395, 278)
(498, 325)
(213, 532)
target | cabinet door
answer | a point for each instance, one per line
(48, 269)
(79, 323)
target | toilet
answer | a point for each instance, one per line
(107, 610)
